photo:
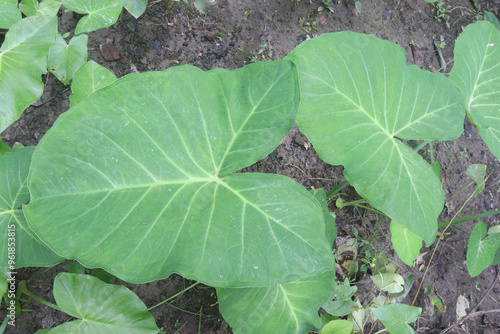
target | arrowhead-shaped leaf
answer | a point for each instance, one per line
(396, 317)
(99, 307)
(284, 308)
(65, 59)
(9, 13)
(139, 178)
(88, 79)
(29, 250)
(101, 13)
(476, 73)
(481, 249)
(358, 100)
(406, 244)
(23, 59)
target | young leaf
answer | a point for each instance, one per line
(390, 282)
(396, 317)
(99, 307)
(476, 73)
(338, 327)
(23, 59)
(33, 7)
(101, 13)
(358, 100)
(65, 59)
(136, 7)
(330, 229)
(481, 249)
(88, 79)
(343, 303)
(139, 177)
(29, 250)
(283, 308)
(477, 172)
(9, 13)
(406, 244)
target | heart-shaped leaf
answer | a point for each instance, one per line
(23, 59)
(27, 249)
(338, 327)
(359, 100)
(406, 244)
(101, 13)
(33, 7)
(9, 13)
(390, 282)
(476, 73)
(481, 249)
(65, 59)
(139, 178)
(88, 79)
(99, 307)
(283, 308)
(396, 317)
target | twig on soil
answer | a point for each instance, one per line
(309, 178)
(472, 313)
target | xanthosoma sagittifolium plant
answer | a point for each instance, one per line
(476, 72)
(138, 179)
(29, 250)
(358, 102)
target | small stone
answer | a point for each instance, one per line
(210, 35)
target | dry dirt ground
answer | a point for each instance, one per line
(235, 32)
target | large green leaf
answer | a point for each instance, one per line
(88, 79)
(396, 317)
(476, 73)
(99, 307)
(138, 177)
(284, 308)
(136, 7)
(33, 7)
(16, 235)
(406, 244)
(9, 13)
(481, 249)
(101, 13)
(65, 59)
(358, 100)
(23, 59)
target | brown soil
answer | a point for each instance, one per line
(228, 36)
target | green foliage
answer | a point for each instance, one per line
(100, 13)
(329, 217)
(9, 13)
(33, 7)
(396, 317)
(23, 59)
(181, 202)
(491, 18)
(406, 244)
(358, 100)
(338, 327)
(135, 7)
(65, 59)
(343, 304)
(27, 248)
(476, 73)
(481, 249)
(99, 307)
(283, 308)
(88, 79)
